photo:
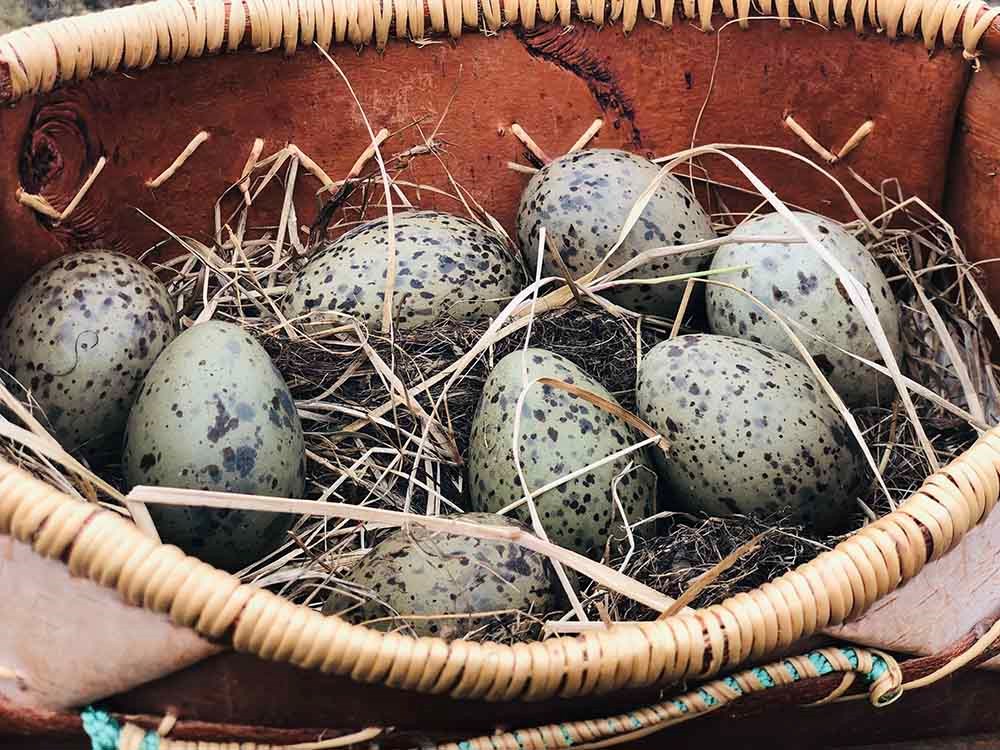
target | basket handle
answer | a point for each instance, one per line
(837, 585)
(35, 59)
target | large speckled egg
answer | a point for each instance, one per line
(795, 282)
(559, 434)
(583, 200)
(80, 335)
(750, 431)
(446, 266)
(416, 571)
(215, 414)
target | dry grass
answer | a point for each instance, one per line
(388, 413)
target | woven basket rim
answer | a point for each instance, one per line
(38, 58)
(103, 547)
(109, 550)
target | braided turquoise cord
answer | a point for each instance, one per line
(104, 731)
(616, 725)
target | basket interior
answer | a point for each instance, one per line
(657, 91)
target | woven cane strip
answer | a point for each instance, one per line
(843, 582)
(880, 671)
(37, 58)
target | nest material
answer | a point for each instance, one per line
(606, 345)
(601, 344)
(362, 453)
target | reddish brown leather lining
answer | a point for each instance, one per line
(648, 86)
(973, 196)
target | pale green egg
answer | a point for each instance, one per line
(215, 414)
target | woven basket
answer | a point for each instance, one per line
(102, 105)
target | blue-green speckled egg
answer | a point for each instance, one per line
(795, 282)
(215, 414)
(750, 431)
(446, 267)
(416, 571)
(559, 433)
(583, 200)
(80, 335)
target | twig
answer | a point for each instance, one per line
(530, 144)
(588, 135)
(169, 172)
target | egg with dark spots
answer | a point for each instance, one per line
(416, 572)
(446, 267)
(583, 200)
(559, 434)
(215, 414)
(750, 432)
(795, 282)
(80, 336)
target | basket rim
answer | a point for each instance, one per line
(105, 548)
(36, 59)
(839, 584)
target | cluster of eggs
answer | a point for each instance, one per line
(750, 429)
(93, 337)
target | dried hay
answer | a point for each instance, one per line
(368, 449)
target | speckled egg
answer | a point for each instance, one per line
(583, 200)
(559, 434)
(416, 571)
(80, 335)
(794, 281)
(215, 414)
(750, 431)
(446, 266)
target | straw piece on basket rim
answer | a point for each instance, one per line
(41, 205)
(143, 520)
(706, 579)
(602, 574)
(36, 203)
(821, 151)
(367, 154)
(182, 157)
(312, 167)
(863, 131)
(98, 168)
(529, 143)
(251, 163)
(588, 135)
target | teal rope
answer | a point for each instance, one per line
(820, 662)
(104, 731)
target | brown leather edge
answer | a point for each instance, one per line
(990, 43)
(16, 720)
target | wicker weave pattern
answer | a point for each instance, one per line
(39, 57)
(836, 585)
